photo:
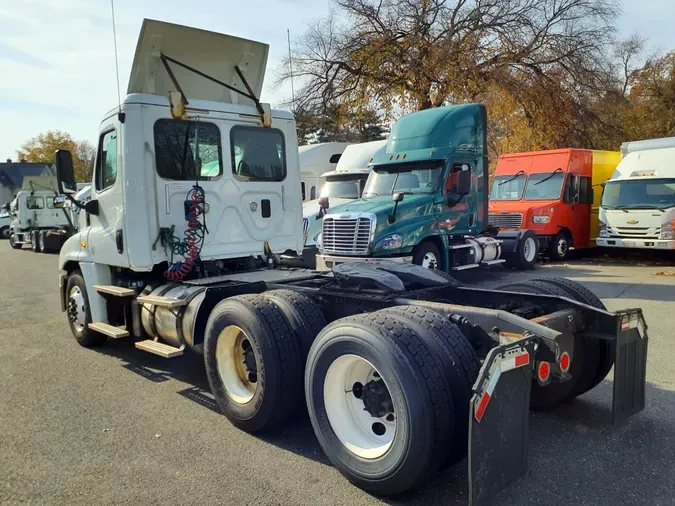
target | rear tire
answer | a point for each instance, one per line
(560, 246)
(526, 254)
(35, 241)
(79, 315)
(409, 403)
(586, 354)
(302, 312)
(606, 349)
(461, 364)
(428, 255)
(4, 233)
(253, 362)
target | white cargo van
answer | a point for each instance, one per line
(638, 202)
(316, 159)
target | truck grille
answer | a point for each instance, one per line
(305, 227)
(510, 220)
(346, 236)
(635, 232)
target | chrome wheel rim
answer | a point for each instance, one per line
(562, 247)
(359, 407)
(430, 261)
(76, 311)
(237, 364)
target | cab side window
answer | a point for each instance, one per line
(35, 203)
(106, 161)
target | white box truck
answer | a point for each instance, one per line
(637, 209)
(193, 196)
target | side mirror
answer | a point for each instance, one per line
(398, 197)
(59, 202)
(91, 207)
(65, 175)
(323, 205)
(463, 182)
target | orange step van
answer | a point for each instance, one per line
(552, 194)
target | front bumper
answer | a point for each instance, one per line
(327, 262)
(614, 242)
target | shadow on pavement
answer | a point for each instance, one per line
(575, 450)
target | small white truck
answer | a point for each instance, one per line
(196, 190)
(5, 222)
(341, 186)
(316, 159)
(37, 217)
(637, 209)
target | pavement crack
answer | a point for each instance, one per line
(624, 290)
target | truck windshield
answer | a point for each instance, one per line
(407, 178)
(639, 194)
(546, 186)
(343, 187)
(508, 187)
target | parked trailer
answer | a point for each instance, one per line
(403, 370)
(552, 194)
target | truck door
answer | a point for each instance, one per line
(458, 216)
(576, 196)
(106, 240)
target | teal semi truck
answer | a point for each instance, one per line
(426, 201)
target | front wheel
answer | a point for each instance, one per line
(560, 247)
(526, 254)
(428, 255)
(4, 233)
(13, 243)
(79, 315)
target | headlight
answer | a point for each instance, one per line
(603, 229)
(541, 219)
(317, 240)
(668, 231)
(393, 241)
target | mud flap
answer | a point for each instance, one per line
(630, 366)
(499, 424)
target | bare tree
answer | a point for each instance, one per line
(627, 52)
(417, 54)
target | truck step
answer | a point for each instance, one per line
(161, 349)
(109, 330)
(494, 262)
(117, 291)
(464, 267)
(154, 300)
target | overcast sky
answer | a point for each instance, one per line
(57, 67)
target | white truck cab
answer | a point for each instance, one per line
(638, 202)
(187, 183)
(341, 185)
(37, 219)
(315, 160)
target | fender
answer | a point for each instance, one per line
(510, 240)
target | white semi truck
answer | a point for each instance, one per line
(316, 159)
(37, 218)
(403, 370)
(340, 186)
(638, 202)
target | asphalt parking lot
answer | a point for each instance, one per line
(119, 426)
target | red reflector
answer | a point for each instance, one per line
(565, 362)
(480, 410)
(544, 371)
(522, 360)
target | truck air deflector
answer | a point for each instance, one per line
(499, 423)
(213, 54)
